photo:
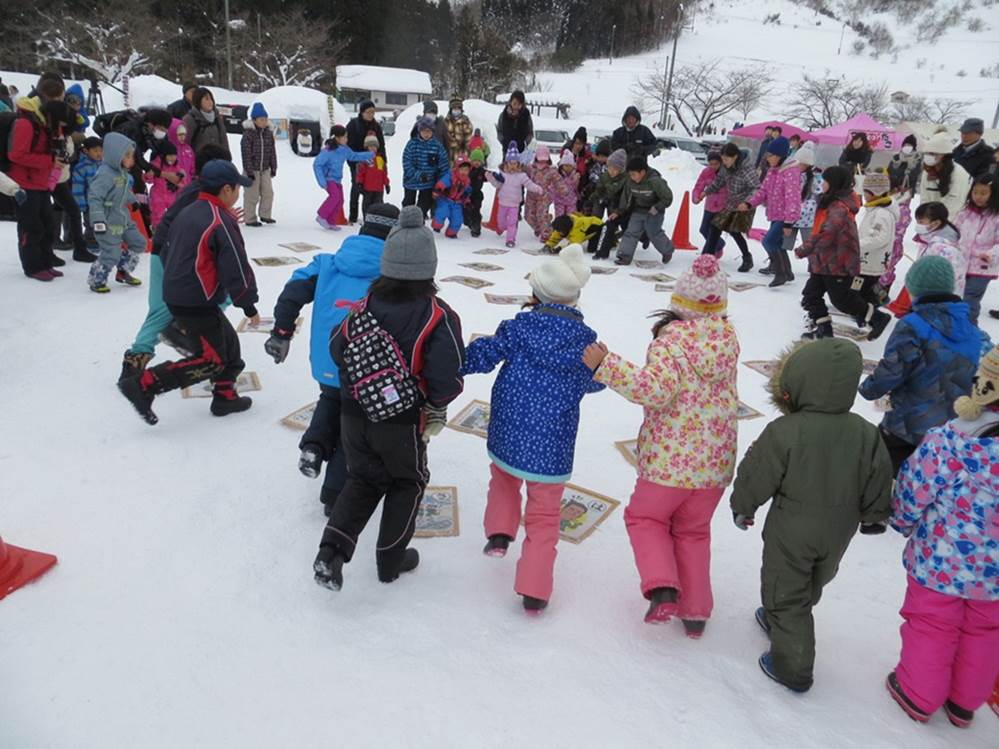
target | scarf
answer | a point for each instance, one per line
(877, 202)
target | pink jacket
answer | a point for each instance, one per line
(161, 197)
(564, 190)
(979, 240)
(511, 189)
(544, 176)
(781, 191)
(185, 154)
(714, 202)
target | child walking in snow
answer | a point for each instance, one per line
(163, 192)
(476, 179)
(537, 206)
(534, 416)
(564, 191)
(713, 203)
(978, 224)
(876, 235)
(946, 502)
(373, 176)
(827, 471)
(328, 168)
(451, 199)
(781, 191)
(259, 153)
(185, 154)
(510, 184)
(84, 171)
(687, 443)
(607, 197)
(645, 198)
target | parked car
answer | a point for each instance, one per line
(234, 115)
(684, 143)
(554, 139)
(388, 127)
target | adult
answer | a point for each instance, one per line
(973, 153)
(944, 180)
(739, 176)
(185, 103)
(768, 137)
(359, 128)
(515, 124)
(634, 137)
(457, 129)
(795, 142)
(430, 110)
(857, 154)
(204, 124)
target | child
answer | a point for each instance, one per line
(259, 164)
(781, 191)
(564, 191)
(177, 134)
(712, 203)
(928, 362)
(451, 199)
(476, 179)
(978, 224)
(811, 192)
(833, 252)
(328, 168)
(597, 167)
(84, 171)
(329, 278)
(575, 228)
(534, 416)
(109, 197)
(163, 192)
(646, 196)
(827, 471)
(536, 207)
(424, 164)
(606, 197)
(684, 461)
(510, 186)
(876, 235)
(904, 171)
(946, 502)
(373, 177)
(387, 454)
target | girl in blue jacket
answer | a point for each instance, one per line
(328, 168)
(534, 417)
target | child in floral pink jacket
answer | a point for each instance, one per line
(687, 443)
(713, 203)
(564, 190)
(537, 206)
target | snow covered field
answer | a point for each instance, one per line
(183, 611)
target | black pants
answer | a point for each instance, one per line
(713, 240)
(898, 449)
(383, 460)
(843, 297)
(324, 433)
(356, 190)
(35, 232)
(217, 357)
(422, 198)
(473, 214)
(608, 237)
(369, 199)
(870, 290)
(69, 211)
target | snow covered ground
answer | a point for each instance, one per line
(183, 611)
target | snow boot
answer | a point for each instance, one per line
(534, 606)
(142, 401)
(767, 666)
(126, 278)
(329, 568)
(958, 716)
(310, 462)
(747, 264)
(782, 273)
(897, 694)
(879, 321)
(622, 261)
(662, 606)
(226, 400)
(268, 220)
(255, 224)
(178, 340)
(410, 561)
(823, 329)
(83, 256)
(58, 262)
(133, 364)
(497, 545)
(761, 619)
(694, 628)
(511, 245)
(42, 275)
(768, 269)
(101, 288)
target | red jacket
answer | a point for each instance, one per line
(834, 247)
(373, 177)
(31, 160)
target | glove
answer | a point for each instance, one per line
(873, 529)
(434, 420)
(100, 228)
(20, 197)
(388, 189)
(499, 177)
(742, 522)
(273, 173)
(278, 345)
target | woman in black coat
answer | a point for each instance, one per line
(857, 155)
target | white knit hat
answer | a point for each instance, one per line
(806, 154)
(559, 279)
(567, 159)
(938, 143)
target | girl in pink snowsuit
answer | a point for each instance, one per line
(565, 190)
(185, 154)
(536, 206)
(163, 192)
(510, 185)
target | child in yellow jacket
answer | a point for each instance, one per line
(575, 228)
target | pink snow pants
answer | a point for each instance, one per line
(564, 209)
(507, 220)
(950, 649)
(541, 525)
(670, 532)
(333, 205)
(536, 214)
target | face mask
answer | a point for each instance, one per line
(159, 134)
(209, 116)
(931, 159)
(456, 113)
(907, 150)
(923, 229)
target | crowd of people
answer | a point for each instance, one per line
(388, 355)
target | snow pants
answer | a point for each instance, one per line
(950, 649)
(536, 565)
(904, 218)
(652, 226)
(670, 533)
(841, 294)
(564, 209)
(536, 213)
(507, 220)
(158, 316)
(324, 433)
(448, 212)
(218, 358)
(261, 193)
(36, 232)
(113, 256)
(424, 199)
(369, 199)
(332, 207)
(473, 214)
(384, 460)
(69, 213)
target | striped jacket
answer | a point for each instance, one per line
(84, 172)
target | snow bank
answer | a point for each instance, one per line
(374, 78)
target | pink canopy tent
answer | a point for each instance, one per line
(880, 137)
(755, 131)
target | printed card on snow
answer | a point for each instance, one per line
(516, 299)
(276, 262)
(476, 336)
(483, 267)
(743, 285)
(301, 418)
(491, 251)
(765, 368)
(648, 264)
(654, 277)
(665, 287)
(582, 511)
(602, 270)
(438, 514)
(850, 331)
(472, 419)
(472, 283)
(300, 246)
(247, 382)
(747, 412)
(628, 450)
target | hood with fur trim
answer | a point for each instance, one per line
(820, 376)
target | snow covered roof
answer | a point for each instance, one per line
(374, 78)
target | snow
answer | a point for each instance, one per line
(375, 78)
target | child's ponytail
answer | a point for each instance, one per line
(663, 318)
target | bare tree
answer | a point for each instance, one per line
(293, 51)
(819, 102)
(938, 111)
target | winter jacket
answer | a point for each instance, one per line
(740, 179)
(781, 191)
(608, 192)
(976, 158)
(82, 123)
(358, 129)
(328, 165)
(457, 132)
(809, 203)
(834, 248)
(206, 261)
(185, 154)
(373, 176)
(133, 127)
(179, 108)
(904, 172)
(689, 436)
(424, 163)
(826, 469)
(162, 194)
(876, 235)
(855, 159)
(944, 243)
(443, 352)
(110, 193)
(946, 501)
(583, 227)
(534, 413)
(638, 141)
(161, 232)
(979, 240)
(762, 152)
(544, 176)
(200, 131)
(564, 189)
(511, 189)
(457, 189)
(716, 201)
(477, 178)
(519, 129)
(328, 279)
(258, 149)
(957, 194)
(929, 361)
(84, 171)
(30, 148)
(642, 197)
(583, 161)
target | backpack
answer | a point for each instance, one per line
(7, 120)
(382, 383)
(111, 122)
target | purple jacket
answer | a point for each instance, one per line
(781, 191)
(511, 189)
(714, 202)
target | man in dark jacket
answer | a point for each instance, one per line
(206, 263)
(634, 137)
(974, 154)
(769, 133)
(515, 124)
(358, 129)
(183, 105)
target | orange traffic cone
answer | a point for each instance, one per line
(18, 567)
(136, 214)
(902, 305)
(681, 232)
(491, 223)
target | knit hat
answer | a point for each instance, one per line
(618, 159)
(410, 253)
(930, 274)
(701, 290)
(543, 154)
(512, 152)
(580, 135)
(984, 388)
(972, 125)
(371, 140)
(476, 155)
(257, 111)
(780, 147)
(567, 159)
(806, 154)
(456, 102)
(877, 183)
(603, 148)
(939, 143)
(426, 123)
(559, 279)
(380, 219)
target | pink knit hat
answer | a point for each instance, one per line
(542, 154)
(567, 159)
(701, 291)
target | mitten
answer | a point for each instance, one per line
(278, 345)
(388, 189)
(742, 522)
(434, 420)
(499, 177)
(873, 529)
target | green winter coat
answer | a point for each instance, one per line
(651, 192)
(827, 471)
(608, 190)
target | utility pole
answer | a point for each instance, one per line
(995, 118)
(842, 33)
(672, 59)
(663, 109)
(610, 60)
(228, 46)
